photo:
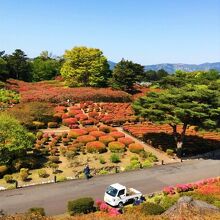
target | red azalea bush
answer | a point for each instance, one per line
(60, 108)
(135, 148)
(116, 147)
(107, 129)
(96, 146)
(106, 139)
(74, 133)
(81, 117)
(85, 139)
(45, 92)
(90, 129)
(89, 122)
(97, 134)
(93, 114)
(126, 140)
(74, 112)
(69, 121)
(117, 134)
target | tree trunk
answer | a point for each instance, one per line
(180, 141)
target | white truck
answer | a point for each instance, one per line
(118, 195)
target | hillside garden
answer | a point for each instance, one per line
(57, 126)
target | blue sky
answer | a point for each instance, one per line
(144, 31)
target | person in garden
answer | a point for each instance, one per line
(87, 172)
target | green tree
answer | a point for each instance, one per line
(15, 140)
(85, 67)
(44, 67)
(152, 75)
(4, 73)
(126, 74)
(181, 78)
(191, 105)
(18, 65)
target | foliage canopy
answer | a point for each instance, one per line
(85, 67)
(15, 140)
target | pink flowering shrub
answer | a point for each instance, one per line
(169, 190)
(205, 185)
(103, 207)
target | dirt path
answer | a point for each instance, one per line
(56, 130)
(161, 156)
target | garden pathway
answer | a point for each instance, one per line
(160, 155)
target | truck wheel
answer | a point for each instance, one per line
(120, 205)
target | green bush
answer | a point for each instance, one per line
(82, 205)
(170, 152)
(102, 160)
(54, 159)
(61, 178)
(25, 162)
(148, 208)
(103, 172)
(42, 173)
(167, 201)
(3, 170)
(52, 124)
(147, 164)
(39, 135)
(24, 174)
(115, 158)
(8, 178)
(70, 154)
(152, 157)
(134, 158)
(134, 164)
(37, 211)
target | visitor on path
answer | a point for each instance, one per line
(87, 172)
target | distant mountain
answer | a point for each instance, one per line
(171, 68)
(111, 64)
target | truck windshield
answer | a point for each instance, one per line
(111, 191)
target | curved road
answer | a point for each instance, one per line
(54, 197)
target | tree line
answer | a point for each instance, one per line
(79, 66)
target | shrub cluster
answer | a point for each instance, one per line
(135, 148)
(116, 147)
(106, 139)
(96, 146)
(81, 206)
(86, 138)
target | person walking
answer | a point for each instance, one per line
(87, 171)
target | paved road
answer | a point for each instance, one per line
(54, 197)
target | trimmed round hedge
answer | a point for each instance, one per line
(126, 140)
(85, 139)
(81, 206)
(97, 134)
(117, 134)
(116, 147)
(74, 133)
(95, 147)
(106, 139)
(135, 148)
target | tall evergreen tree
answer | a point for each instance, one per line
(126, 74)
(18, 65)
